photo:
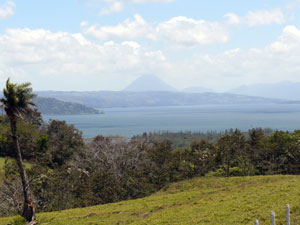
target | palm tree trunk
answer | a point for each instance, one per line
(29, 209)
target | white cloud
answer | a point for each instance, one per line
(179, 30)
(265, 17)
(113, 7)
(232, 18)
(292, 5)
(288, 41)
(127, 30)
(41, 55)
(7, 9)
(276, 62)
(189, 32)
(94, 2)
(182, 31)
(257, 18)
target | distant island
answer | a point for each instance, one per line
(54, 106)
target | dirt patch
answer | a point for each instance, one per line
(139, 214)
(117, 212)
(91, 215)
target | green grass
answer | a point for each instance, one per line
(238, 200)
(2, 163)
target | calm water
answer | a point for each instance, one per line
(131, 121)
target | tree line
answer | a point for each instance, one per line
(67, 172)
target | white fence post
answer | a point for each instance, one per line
(288, 215)
(272, 218)
(256, 222)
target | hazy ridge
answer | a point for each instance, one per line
(282, 90)
(108, 99)
(54, 106)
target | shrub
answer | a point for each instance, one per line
(19, 220)
(236, 171)
(217, 173)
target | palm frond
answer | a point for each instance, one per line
(17, 99)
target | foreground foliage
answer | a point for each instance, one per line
(237, 200)
(17, 102)
(67, 172)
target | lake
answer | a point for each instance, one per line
(132, 121)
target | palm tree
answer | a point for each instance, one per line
(16, 102)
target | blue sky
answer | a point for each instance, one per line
(106, 44)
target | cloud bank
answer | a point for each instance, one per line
(181, 31)
(7, 9)
(257, 18)
(41, 54)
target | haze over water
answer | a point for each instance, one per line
(131, 121)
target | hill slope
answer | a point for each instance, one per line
(48, 105)
(54, 106)
(198, 201)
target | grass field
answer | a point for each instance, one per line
(238, 200)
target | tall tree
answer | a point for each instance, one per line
(16, 102)
(230, 146)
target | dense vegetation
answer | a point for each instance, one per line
(184, 139)
(67, 172)
(53, 106)
(213, 201)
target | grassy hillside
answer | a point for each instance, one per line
(196, 201)
(2, 163)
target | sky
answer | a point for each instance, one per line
(91, 45)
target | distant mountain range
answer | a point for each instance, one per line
(151, 83)
(282, 90)
(197, 89)
(147, 83)
(149, 90)
(108, 99)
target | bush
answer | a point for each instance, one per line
(217, 173)
(235, 172)
(19, 220)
